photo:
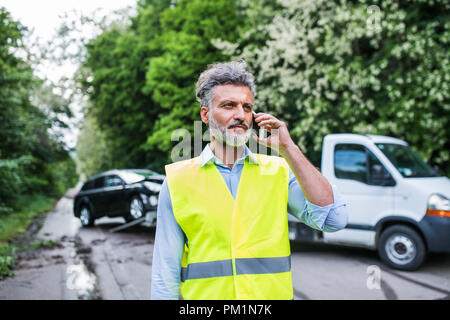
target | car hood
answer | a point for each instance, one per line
(431, 185)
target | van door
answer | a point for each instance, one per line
(368, 188)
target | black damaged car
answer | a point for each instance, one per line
(129, 193)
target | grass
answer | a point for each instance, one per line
(16, 223)
(7, 261)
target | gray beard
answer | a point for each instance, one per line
(223, 135)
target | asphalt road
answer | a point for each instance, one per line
(95, 263)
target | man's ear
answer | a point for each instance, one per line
(204, 114)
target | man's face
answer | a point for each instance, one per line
(230, 117)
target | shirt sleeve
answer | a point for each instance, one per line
(330, 218)
(168, 251)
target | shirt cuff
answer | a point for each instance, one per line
(328, 218)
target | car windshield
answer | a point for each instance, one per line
(146, 172)
(132, 176)
(407, 162)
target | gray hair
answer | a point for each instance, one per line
(233, 72)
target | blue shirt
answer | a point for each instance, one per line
(170, 238)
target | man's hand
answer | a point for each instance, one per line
(315, 186)
(279, 138)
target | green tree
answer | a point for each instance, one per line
(188, 32)
(142, 78)
(117, 60)
(93, 152)
(14, 107)
(32, 160)
(379, 67)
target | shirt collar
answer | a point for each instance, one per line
(207, 156)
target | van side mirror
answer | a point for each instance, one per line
(388, 181)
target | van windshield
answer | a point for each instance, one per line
(407, 162)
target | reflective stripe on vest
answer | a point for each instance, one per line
(224, 268)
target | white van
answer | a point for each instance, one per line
(397, 204)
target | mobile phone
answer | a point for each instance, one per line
(254, 124)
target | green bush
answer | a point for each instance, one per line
(6, 261)
(17, 222)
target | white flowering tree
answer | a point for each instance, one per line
(378, 67)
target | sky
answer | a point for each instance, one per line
(43, 14)
(45, 17)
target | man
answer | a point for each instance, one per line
(222, 227)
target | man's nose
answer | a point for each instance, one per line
(239, 113)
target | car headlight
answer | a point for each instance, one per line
(153, 200)
(438, 205)
(154, 187)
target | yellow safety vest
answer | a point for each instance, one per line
(237, 248)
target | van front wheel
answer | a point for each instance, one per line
(401, 247)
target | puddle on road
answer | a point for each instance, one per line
(81, 275)
(82, 281)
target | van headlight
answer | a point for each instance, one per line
(153, 187)
(438, 205)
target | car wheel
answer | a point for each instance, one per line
(86, 217)
(136, 208)
(401, 247)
